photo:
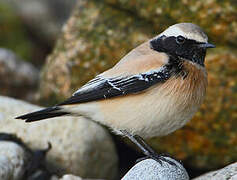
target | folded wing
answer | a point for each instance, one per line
(103, 88)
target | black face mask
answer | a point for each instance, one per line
(180, 47)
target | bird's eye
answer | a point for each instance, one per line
(180, 39)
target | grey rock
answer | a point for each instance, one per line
(54, 177)
(150, 169)
(70, 177)
(229, 172)
(6, 168)
(13, 64)
(18, 78)
(13, 160)
(79, 146)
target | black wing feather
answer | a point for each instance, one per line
(103, 88)
(43, 114)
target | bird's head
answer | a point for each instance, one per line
(183, 40)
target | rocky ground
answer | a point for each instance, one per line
(79, 146)
(96, 35)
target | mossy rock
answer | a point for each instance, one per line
(94, 38)
(218, 18)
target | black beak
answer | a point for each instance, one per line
(206, 45)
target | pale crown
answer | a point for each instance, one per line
(187, 30)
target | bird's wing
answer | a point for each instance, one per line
(103, 88)
(136, 72)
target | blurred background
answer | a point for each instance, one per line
(50, 48)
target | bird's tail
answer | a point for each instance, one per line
(43, 114)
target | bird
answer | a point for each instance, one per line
(152, 91)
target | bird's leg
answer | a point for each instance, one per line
(139, 138)
(135, 141)
(146, 149)
(153, 154)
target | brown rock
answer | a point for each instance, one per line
(89, 45)
(218, 18)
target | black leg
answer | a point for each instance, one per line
(146, 149)
(135, 141)
(139, 138)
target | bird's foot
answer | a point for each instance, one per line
(158, 158)
(147, 150)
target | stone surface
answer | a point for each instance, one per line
(99, 33)
(218, 18)
(79, 146)
(70, 177)
(33, 166)
(229, 172)
(92, 41)
(6, 168)
(13, 160)
(18, 78)
(151, 169)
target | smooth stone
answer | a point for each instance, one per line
(150, 169)
(79, 146)
(70, 177)
(229, 172)
(6, 168)
(13, 160)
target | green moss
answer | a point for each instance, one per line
(13, 35)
